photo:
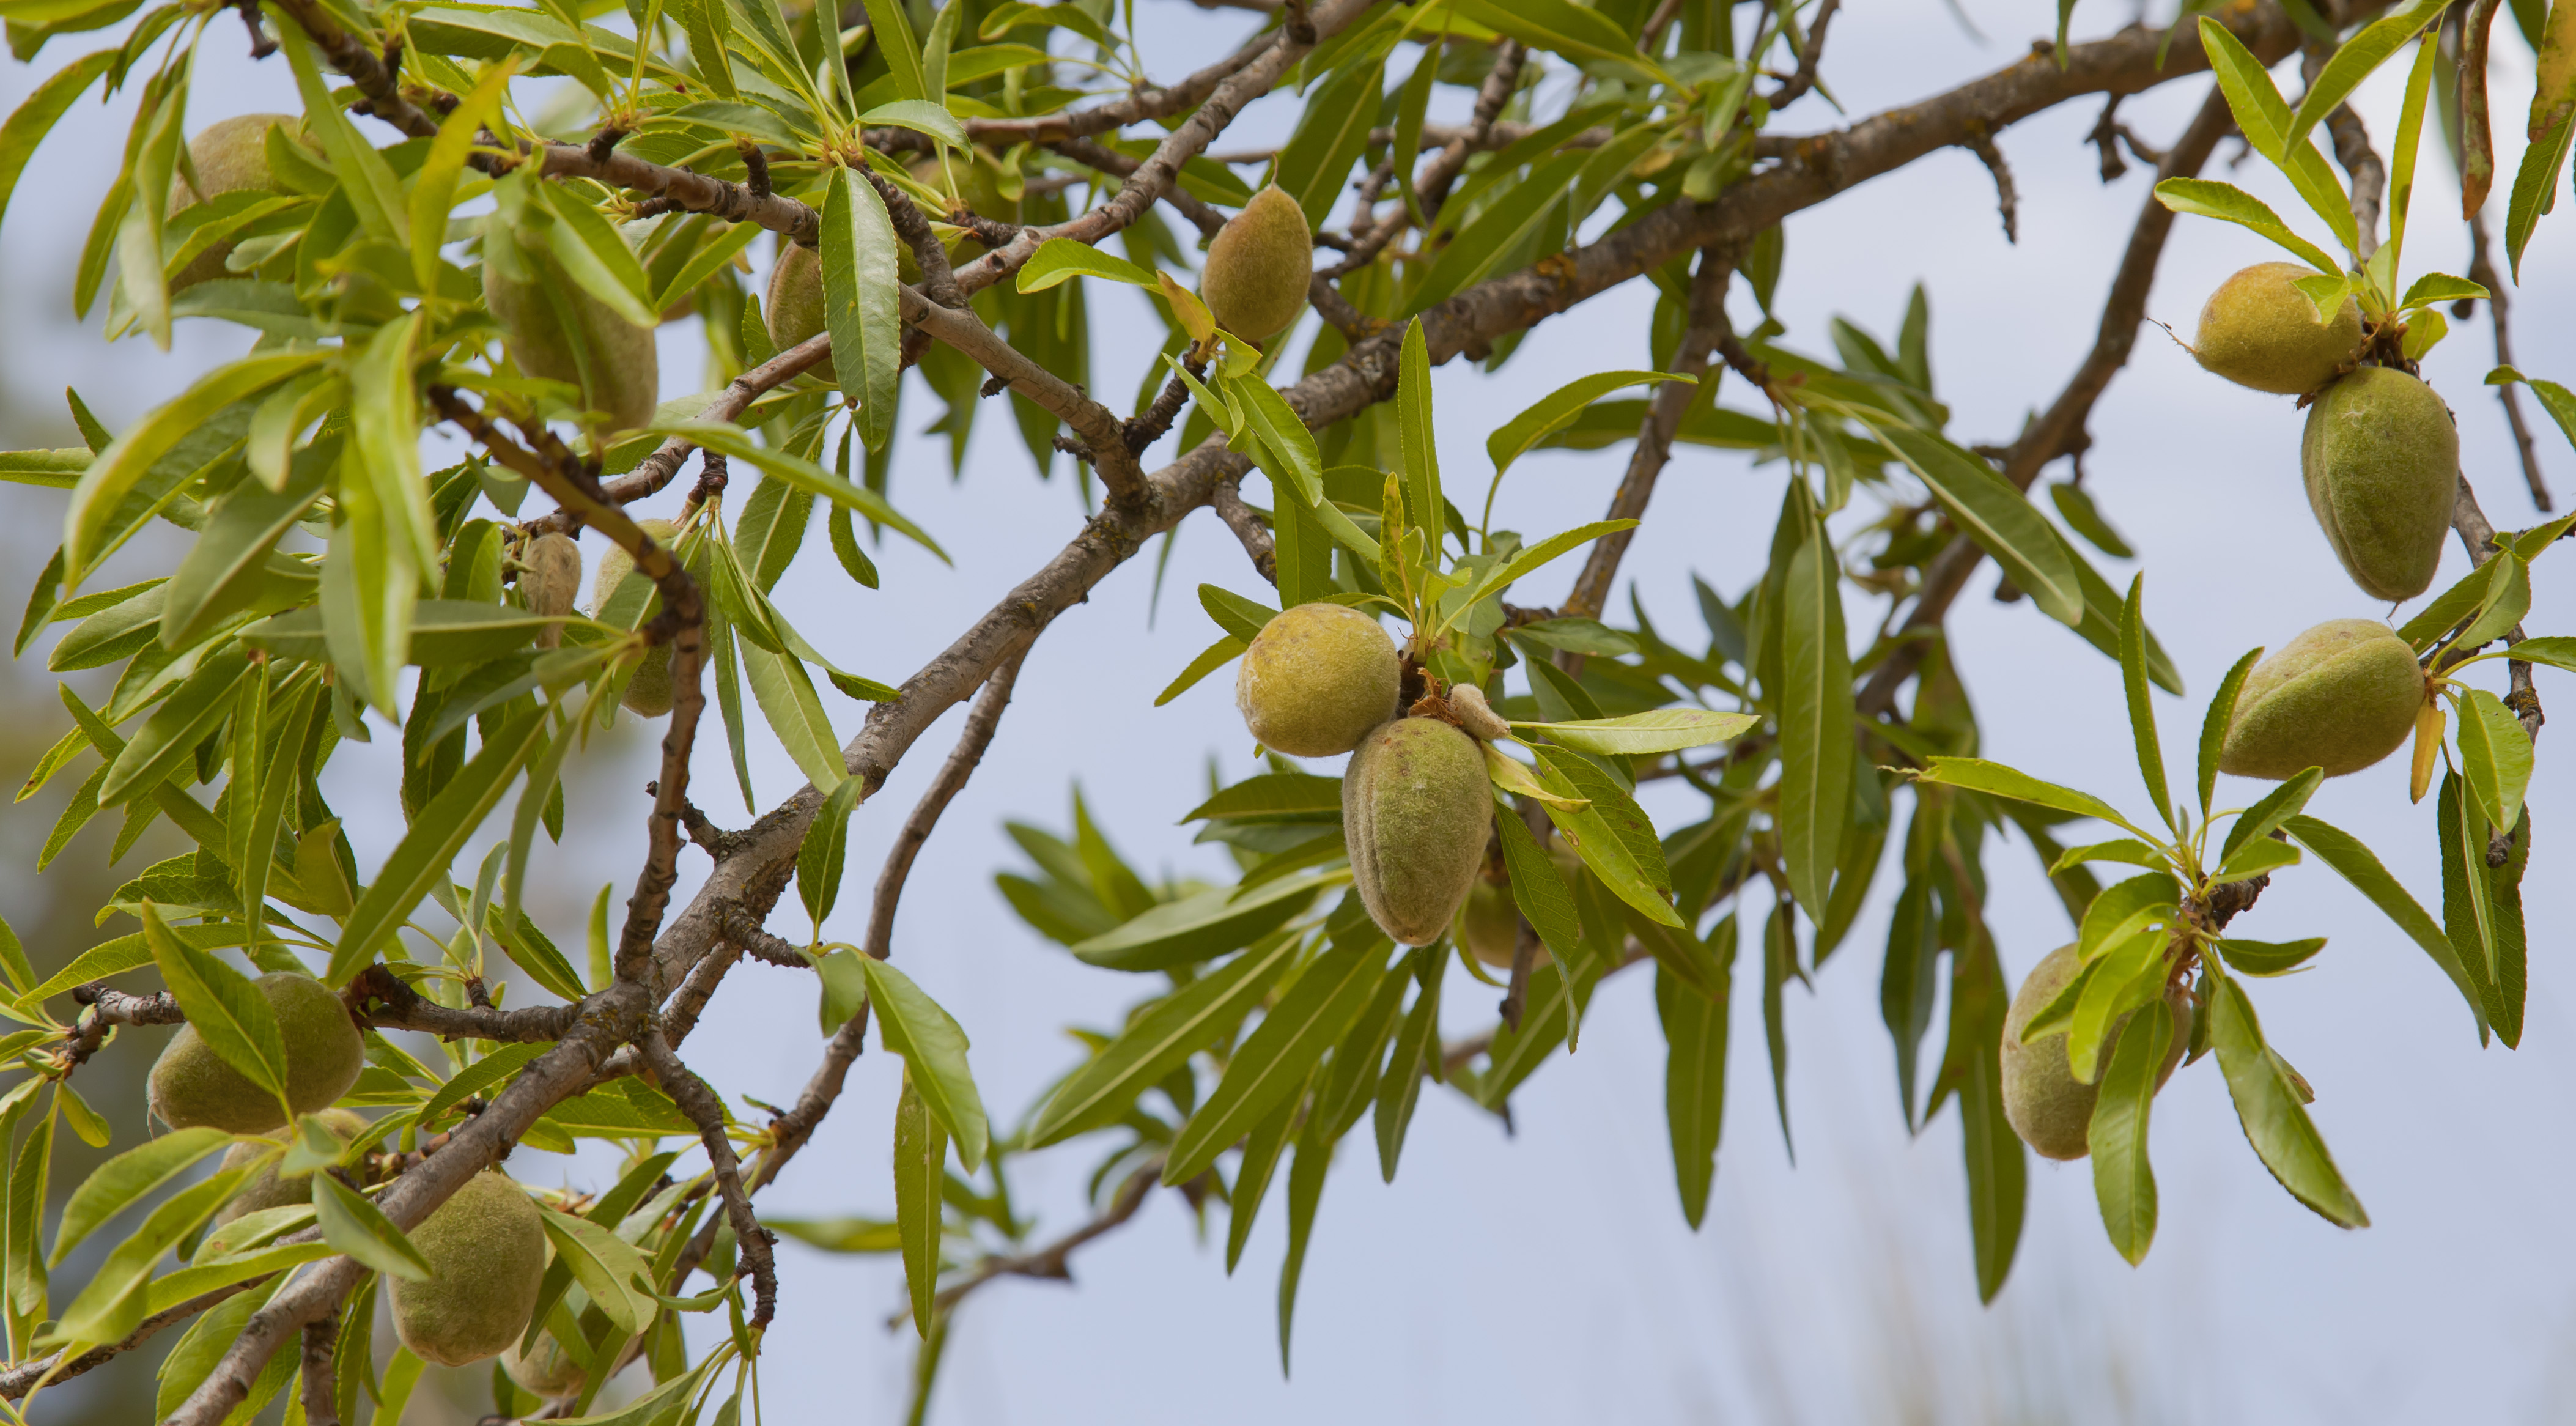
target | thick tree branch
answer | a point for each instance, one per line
(971, 743)
(320, 1381)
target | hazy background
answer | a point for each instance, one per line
(1552, 1275)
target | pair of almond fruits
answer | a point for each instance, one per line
(485, 1246)
(2380, 458)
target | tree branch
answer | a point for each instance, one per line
(320, 1382)
(1431, 186)
(1258, 543)
(1656, 430)
(2482, 271)
(1105, 434)
(2006, 202)
(1051, 1261)
(2061, 427)
(385, 1001)
(971, 743)
(706, 1111)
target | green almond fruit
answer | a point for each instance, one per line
(649, 694)
(1258, 267)
(793, 307)
(2340, 697)
(486, 1249)
(192, 1086)
(1317, 679)
(230, 156)
(1415, 813)
(2046, 1104)
(269, 1190)
(550, 579)
(557, 332)
(2259, 330)
(2382, 462)
(545, 1370)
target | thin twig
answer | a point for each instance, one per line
(962, 759)
(1248, 526)
(2006, 202)
(2482, 271)
(1431, 185)
(706, 1111)
(1810, 54)
(1052, 1261)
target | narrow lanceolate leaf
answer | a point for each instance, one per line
(113, 476)
(433, 190)
(1418, 440)
(2142, 713)
(1694, 1080)
(1988, 510)
(225, 1009)
(1815, 706)
(2209, 198)
(2466, 912)
(358, 1228)
(862, 308)
(123, 1181)
(186, 718)
(37, 115)
(2275, 1121)
(608, 1268)
(2264, 118)
(2495, 755)
(1416, 1057)
(794, 711)
(429, 847)
(1556, 410)
(1997, 1169)
(1060, 260)
(933, 1047)
(2357, 864)
(1161, 1041)
(113, 1302)
(2124, 1184)
(2354, 62)
(2213, 727)
(1979, 775)
(1274, 1059)
(1658, 730)
(825, 849)
(920, 1172)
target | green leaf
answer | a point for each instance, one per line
(2075, 506)
(1995, 779)
(1293, 796)
(98, 500)
(1274, 1060)
(1815, 708)
(1988, 510)
(433, 190)
(934, 1053)
(2264, 118)
(232, 558)
(1215, 656)
(1241, 617)
(2142, 712)
(820, 857)
(223, 1006)
(2269, 812)
(1538, 889)
(735, 442)
(2268, 957)
(2275, 1122)
(1558, 409)
(112, 1305)
(124, 1180)
(1330, 133)
(1159, 1042)
(1658, 730)
(2214, 725)
(1997, 1169)
(189, 716)
(2356, 864)
(2495, 755)
(445, 633)
(920, 1174)
(2209, 198)
(1425, 507)
(1497, 231)
(862, 304)
(607, 1267)
(358, 1228)
(795, 713)
(1417, 1054)
(2354, 62)
(430, 845)
(1611, 833)
(36, 116)
(1694, 1079)
(1060, 260)
(922, 116)
(1562, 27)
(2124, 1183)
(903, 55)
(2436, 287)
(1204, 924)
(1539, 554)
(1261, 1152)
